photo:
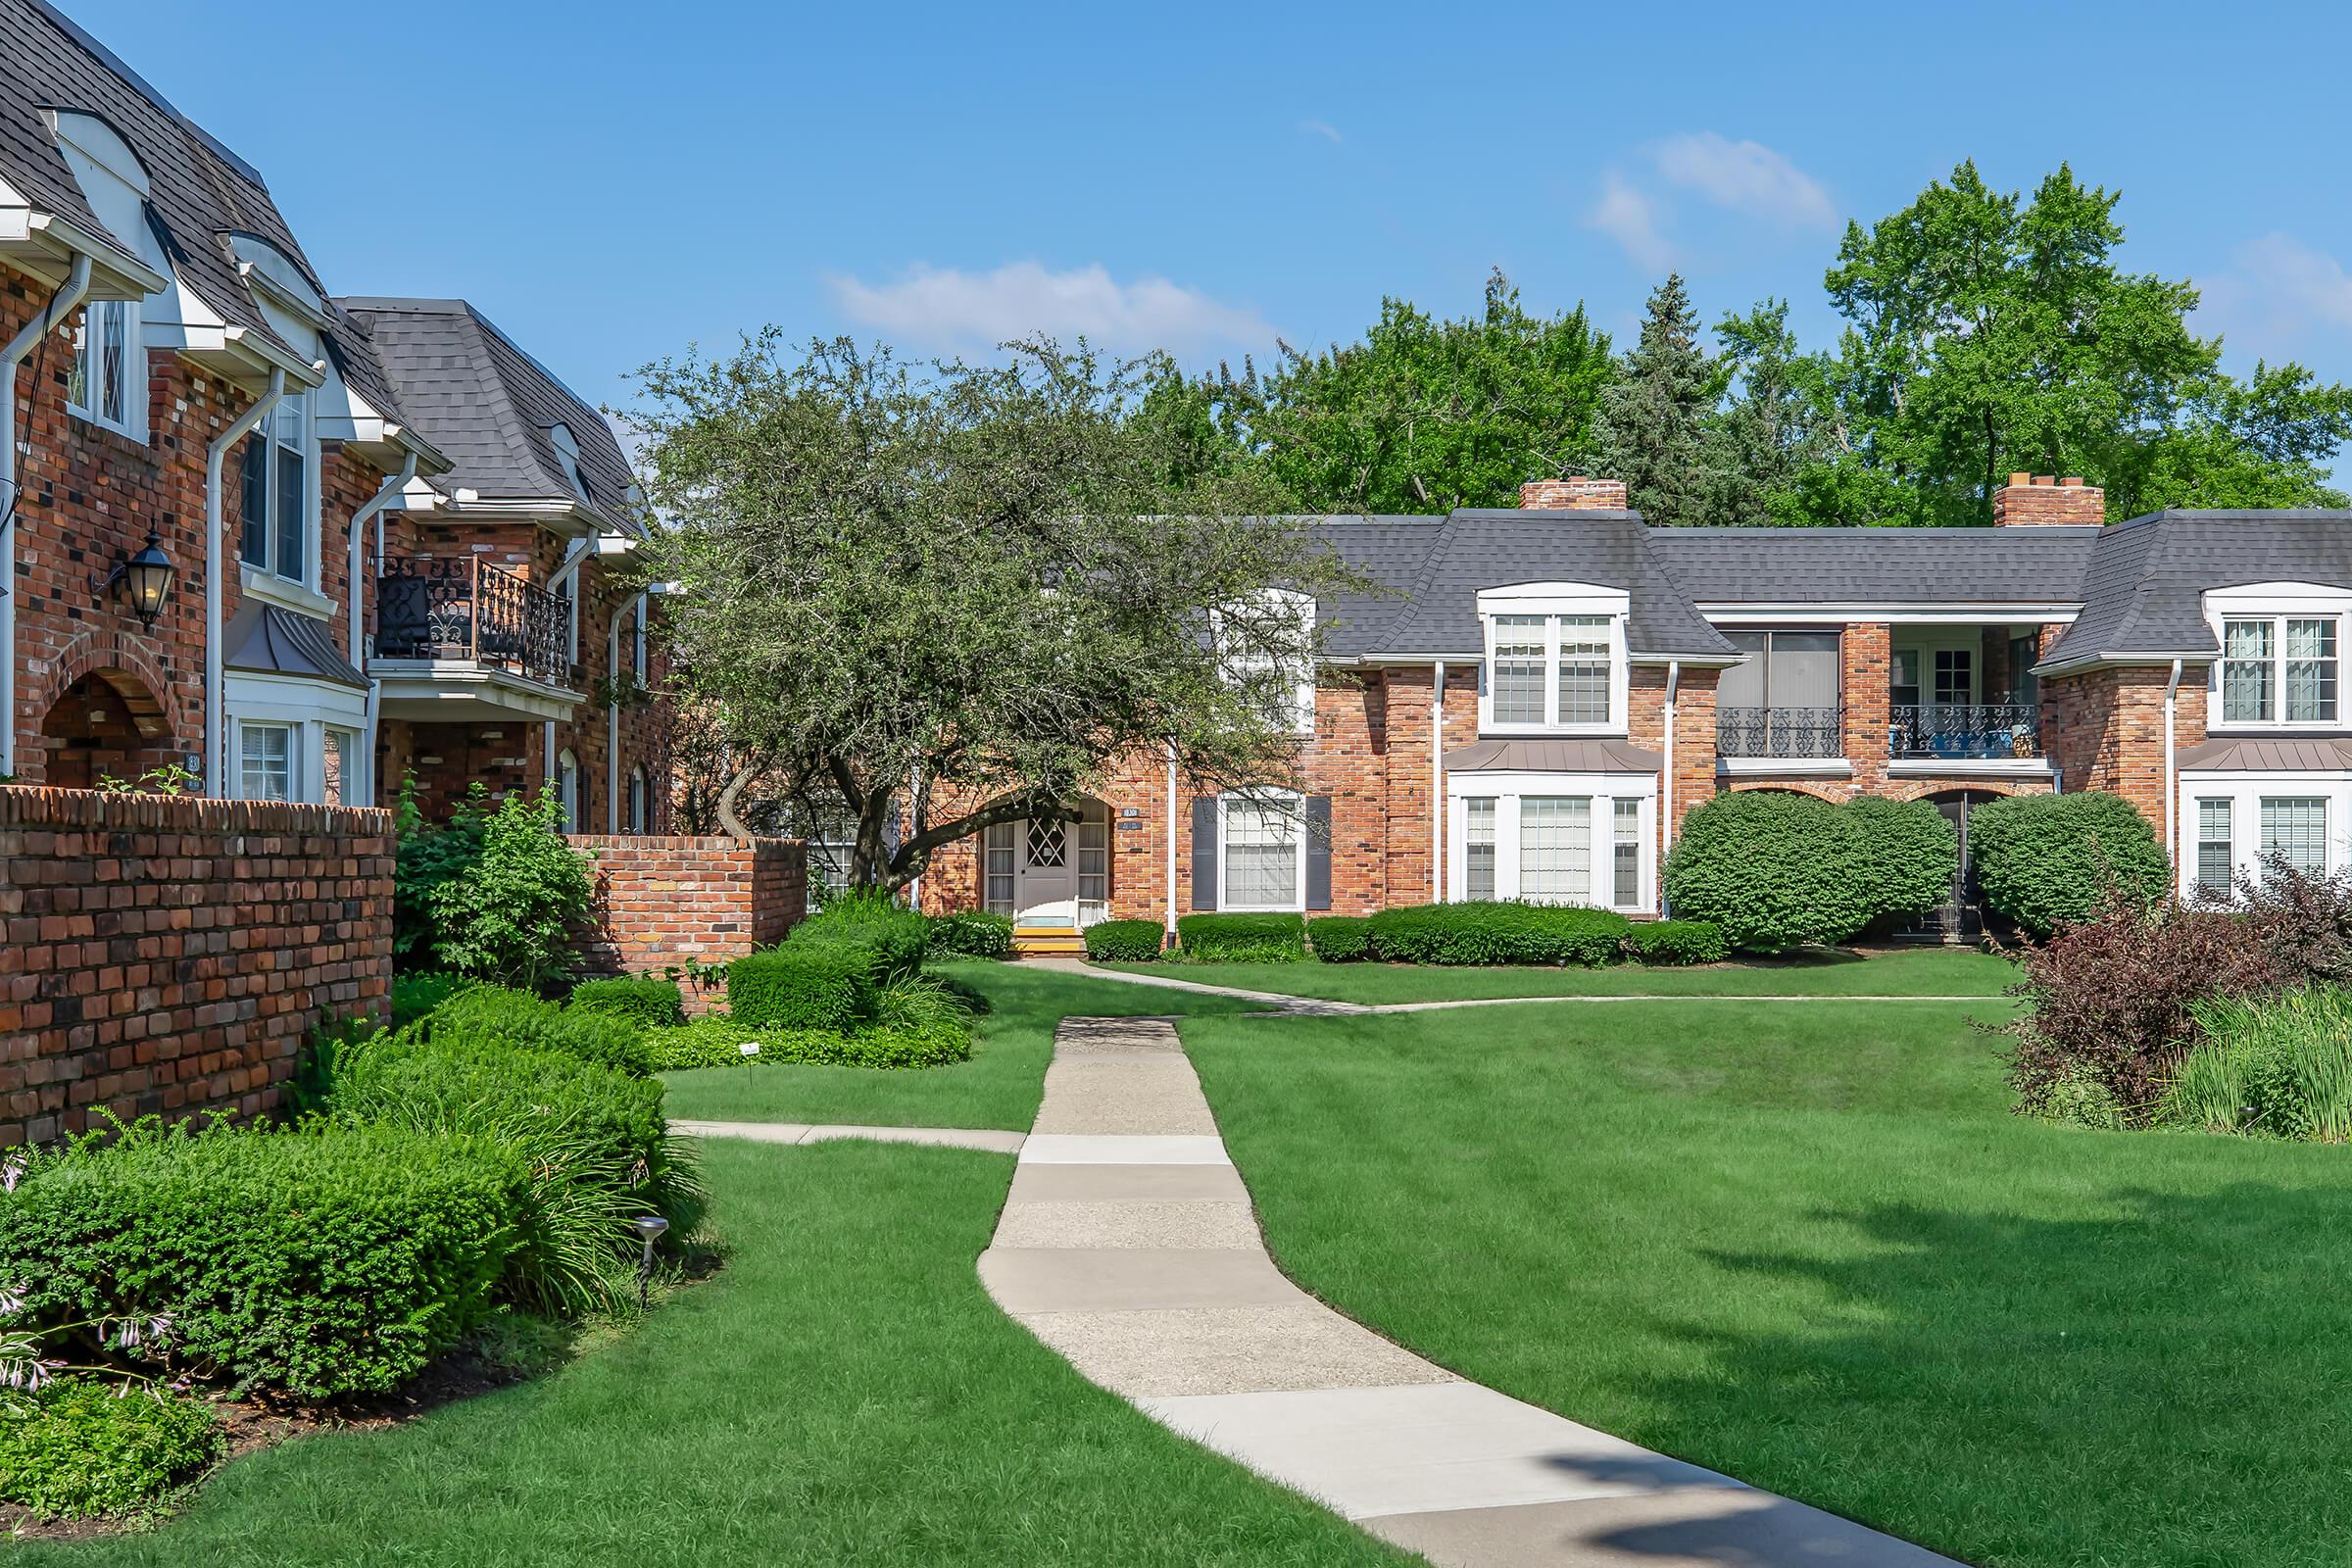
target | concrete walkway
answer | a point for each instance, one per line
(1324, 1008)
(990, 1139)
(1128, 1245)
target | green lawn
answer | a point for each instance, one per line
(998, 1087)
(843, 1391)
(1808, 1245)
(1889, 972)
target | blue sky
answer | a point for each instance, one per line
(613, 182)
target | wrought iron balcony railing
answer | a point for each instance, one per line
(1974, 732)
(1780, 732)
(464, 608)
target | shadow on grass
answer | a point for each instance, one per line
(2115, 1386)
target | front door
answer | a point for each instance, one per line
(1049, 873)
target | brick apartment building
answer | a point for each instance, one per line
(1542, 694)
(387, 535)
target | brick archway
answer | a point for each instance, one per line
(1929, 789)
(124, 664)
(105, 712)
(1834, 794)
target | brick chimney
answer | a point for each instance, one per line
(1576, 493)
(2037, 500)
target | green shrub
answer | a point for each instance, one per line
(510, 915)
(2280, 1065)
(718, 1042)
(80, 1449)
(2042, 861)
(815, 985)
(316, 1264)
(415, 994)
(919, 1002)
(894, 936)
(1774, 869)
(1241, 938)
(1913, 854)
(1125, 941)
(1340, 938)
(1491, 933)
(429, 857)
(646, 1002)
(494, 1016)
(974, 934)
(598, 1150)
(1678, 942)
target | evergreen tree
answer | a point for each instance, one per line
(1769, 431)
(1651, 427)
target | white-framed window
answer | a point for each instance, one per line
(2294, 829)
(1094, 854)
(1478, 847)
(1261, 854)
(2282, 661)
(105, 382)
(266, 762)
(639, 802)
(1557, 837)
(1555, 659)
(568, 789)
(1298, 712)
(2215, 857)
(997, 866)
(340, 780)
(280, 482)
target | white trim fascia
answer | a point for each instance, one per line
(2077, 664)
(1895, 614)
(1785, 766)
(295, 304)
(246, 355)
(1703, 661)
(561, 515)
(110, 264)
(412, 680)
(1412, 659)
(2286, 776)
(1969, 767)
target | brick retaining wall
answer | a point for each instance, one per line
(167, 955)
(663, 901)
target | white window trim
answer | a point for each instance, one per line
(1508, 790)
(1554, 601)
(297, 776)
(641, 801)
(304, 595)
(2245, 793)
(133, 422)
(1302, 692)
(2276, 603)
(1280, 800)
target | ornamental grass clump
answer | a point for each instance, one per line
(2280, 1067)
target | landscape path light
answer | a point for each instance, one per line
(651, 1227)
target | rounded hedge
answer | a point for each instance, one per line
(2043, 861)
(971, 934)
(1775, 869)
(1663, 942)
(1124, 941)
(1914, 856)
(1340, 938)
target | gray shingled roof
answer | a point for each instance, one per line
(477, 396)
(1389, 551)
(2144, 588)
(1475, 550)
(200, 191)
(1878, 566)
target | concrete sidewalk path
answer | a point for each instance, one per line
(990, 1139)
(1325, 1007)
(1128, 1245)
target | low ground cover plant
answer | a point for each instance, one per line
(1497, 933)
(2276, 1067)
(643, 1000)
(2045, 860)
(1220, 937)
(390, 1255)
(1340, 938)
(497, 1016)
(1124, 941)
(83, 1447)
(718, 1042)
(974, 933)
(415, 994)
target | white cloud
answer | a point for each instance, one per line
(2297, 281)
(1322, 129)
(1746, 176)
(936, 305)
(1630, 216)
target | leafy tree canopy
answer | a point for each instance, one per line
(972, 586)
(1651, 428)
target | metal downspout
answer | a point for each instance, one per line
(361, 656)
(1674, 688)
(2172, 791)
(1436, 788)
(68, 298)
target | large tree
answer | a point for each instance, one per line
(1988, 334)
(959, 592)
(1767, 434)
(1421, 415)
(1650, 430)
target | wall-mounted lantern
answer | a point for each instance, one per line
(145, 579)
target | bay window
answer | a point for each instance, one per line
(2237, 827)
(1553, 838)
(266, 761)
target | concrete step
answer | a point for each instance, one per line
(1046, 941)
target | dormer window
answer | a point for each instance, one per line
(2281, 663)
(567, 455)
(1555, 659)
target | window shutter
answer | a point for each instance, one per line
(1204, 851)
(1318, 851)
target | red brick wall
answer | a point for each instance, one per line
(2030, 500)
(1694, 734)
(167, 955)
(2104, 729)
(663, 901)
